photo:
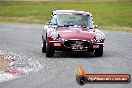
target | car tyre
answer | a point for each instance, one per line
(49, 51)
(43, 46)
(98, 52)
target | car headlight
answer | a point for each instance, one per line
(99, 37)
(54, 35)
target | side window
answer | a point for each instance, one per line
(53, 20)
(90, 22)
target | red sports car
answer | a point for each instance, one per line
(72, 31)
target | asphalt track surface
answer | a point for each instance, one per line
(59, 71)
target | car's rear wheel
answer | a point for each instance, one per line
(98, 52)
(43, 46)
(49, 51)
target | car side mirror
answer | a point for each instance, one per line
(45, 27)
(96, 26)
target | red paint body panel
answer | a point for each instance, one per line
(66, 33)
(78, 35)
(75, 33)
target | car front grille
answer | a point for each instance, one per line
(78, 43)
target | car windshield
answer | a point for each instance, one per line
(72, 20)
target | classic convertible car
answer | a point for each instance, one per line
(72, 31)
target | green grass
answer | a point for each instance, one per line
(108, 15)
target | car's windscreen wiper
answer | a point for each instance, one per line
(65, 25)
(84, 26)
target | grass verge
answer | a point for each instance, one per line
(115, 15)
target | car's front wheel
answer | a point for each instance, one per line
(49, 51)
(98, 52)
(43, 46)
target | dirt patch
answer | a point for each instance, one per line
(5, 62)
